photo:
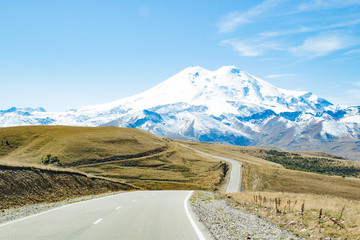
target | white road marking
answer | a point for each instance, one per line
(118, 208)
(64, 206)
(97, 221)
(195, 226)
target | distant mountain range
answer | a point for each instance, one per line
(226, 106)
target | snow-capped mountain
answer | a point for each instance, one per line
(227, 105)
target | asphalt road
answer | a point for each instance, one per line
(134, 215)
(234, 181)
(160, 215)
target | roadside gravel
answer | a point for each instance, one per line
(225, 222)
(17, 213)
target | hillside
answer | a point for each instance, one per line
(310, 205)
(21, 186)
(73, 144)
(124, 155)
(263, 175)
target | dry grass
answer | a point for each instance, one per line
(294, 188)
(125, 155)
(28, 144)
(178, 168)
(306, 215)
(262, 175)
(21, 186)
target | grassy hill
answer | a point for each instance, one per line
(329, 185)
(72, 144)
(125, 155)
(264, 172)
(309, 204)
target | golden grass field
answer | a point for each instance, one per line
(262, 175)
(145, 161)
(125, 155)
(317, 191)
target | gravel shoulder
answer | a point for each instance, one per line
(226, 222)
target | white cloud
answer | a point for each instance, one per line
(231, 21)
(322, 45)
(242, 48)
(353, 51)
(285, 75)
(285, 32)
(303, 29)
(251, 47)
(325, 4)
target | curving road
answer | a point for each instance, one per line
(139, 215)
(234, 182)
(134, 215)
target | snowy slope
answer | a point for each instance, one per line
(227, 105)
(223, 90)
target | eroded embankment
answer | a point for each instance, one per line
(21, 186)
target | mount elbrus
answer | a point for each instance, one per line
(226, 106)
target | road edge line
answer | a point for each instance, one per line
(193, 223)
(30, 216)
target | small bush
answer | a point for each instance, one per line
(48, 159)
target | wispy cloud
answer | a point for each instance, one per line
(326, 4)
(277, 32)
(303, 29)
(353, 51)
(230, 22)
(251, 47)
(285, 75)
(242, 48)
(285, 32)
(322, 45)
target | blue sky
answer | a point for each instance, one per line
(69, 54)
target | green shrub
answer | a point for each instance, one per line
(48, 159)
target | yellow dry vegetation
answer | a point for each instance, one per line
(307, 215)
(28, 144)
(262, 175)
(267, 180)
(124, 155)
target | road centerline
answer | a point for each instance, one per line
(97, 221)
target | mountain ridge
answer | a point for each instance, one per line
(227, 105)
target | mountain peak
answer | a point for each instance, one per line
(231, 69)
(225, 105)
(225, 90)
(194, 70)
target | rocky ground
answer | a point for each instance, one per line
(226, 222)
